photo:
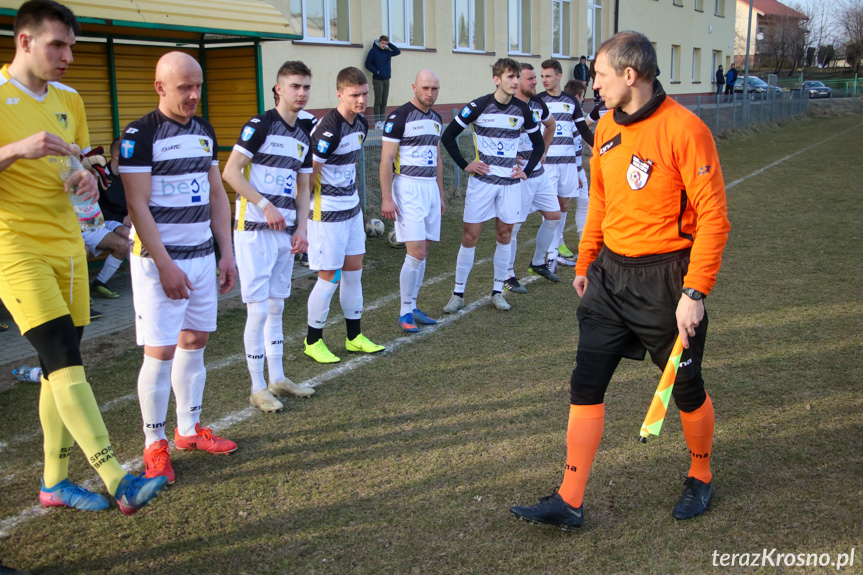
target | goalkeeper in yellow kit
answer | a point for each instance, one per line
(43, 264)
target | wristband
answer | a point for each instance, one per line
(263, 203)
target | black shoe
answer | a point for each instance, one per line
(304, 260)
(542, 270)
(551, 510)
(514, 286)
(695, 499)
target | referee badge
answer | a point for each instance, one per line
(638, 173)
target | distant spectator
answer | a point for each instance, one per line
(378, 63)
(592, 70)
(581, 72)
(720, 80)
(730, 79)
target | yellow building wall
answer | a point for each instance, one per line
(669, 25)
(740, 27)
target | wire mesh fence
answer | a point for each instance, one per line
(720, 113)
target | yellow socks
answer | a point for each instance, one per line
(58, 442)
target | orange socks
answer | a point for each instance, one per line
(698, 431)
(582, 440)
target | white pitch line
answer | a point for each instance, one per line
(788, 157)
(9, 523)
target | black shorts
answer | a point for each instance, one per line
(629, 307)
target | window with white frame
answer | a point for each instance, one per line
(594, 27)
(717, 61)
(322, 20)
(404, 21)
(675, 63)
(696, 64)
(518, 14)
(469, 24)
(719, 7)
(561, 18)
(699, 5)
(677, 2)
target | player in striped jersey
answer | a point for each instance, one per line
(563, 158)
(271, 215)
(537, 193)
(337, 239)
(412, 188)
(169, 165)
(497, 120)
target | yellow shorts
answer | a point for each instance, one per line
(37, 288)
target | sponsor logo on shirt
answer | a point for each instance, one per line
(247, 134)
(612, 143)
(127, 148)
(174, 147)
(255, 120)
(131, 130)
(12, 101)
(703, 170)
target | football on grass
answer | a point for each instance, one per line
(391, 239)
(374, 228)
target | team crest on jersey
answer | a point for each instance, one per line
(566, 107)
(465, 112)
(127, 148)
(205, 144)
(248, 131)
(63, 119)
(638, 173)
(436, 128)
(361, 139)
(323, 146)
(388, 128)
(513, 122)
(536, 115)
(300, 149)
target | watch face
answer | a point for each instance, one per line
(694, 294)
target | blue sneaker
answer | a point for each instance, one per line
(406, 322)
(135, 492)
(422, 318)
(68, 494)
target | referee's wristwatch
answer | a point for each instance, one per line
(693, 293)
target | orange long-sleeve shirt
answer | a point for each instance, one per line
(656, 187)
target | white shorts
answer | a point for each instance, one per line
(564, 180)
(537, 195)
(331, 242)
(265, 264)
(92, 239)
(418, 202)
(159, 319)
(485, 201)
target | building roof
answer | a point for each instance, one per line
(243, 18)
(775, 8)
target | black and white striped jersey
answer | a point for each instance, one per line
(336, 144)
(566, 145)
(496, 130)
(178, 157)
(525, 146)
(278, 152)
(418, 134)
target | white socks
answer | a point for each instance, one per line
(188, 377)
(421, 274)
(501, 263)
(111, 266)
(513, 244)
(154, 391)
(275, 340)
(581, 214)
(408, 284)
(253, 340)
(463, 265)
(351, 294)
(544, 236)
(319, 301)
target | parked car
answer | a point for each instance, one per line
(756, 86)
(816, 89)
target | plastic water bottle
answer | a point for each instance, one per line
(89, 213)
(27, 373)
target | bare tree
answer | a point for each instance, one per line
(851, 18)
(821, 25)
(785, 42)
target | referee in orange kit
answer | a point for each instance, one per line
(651, 249)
